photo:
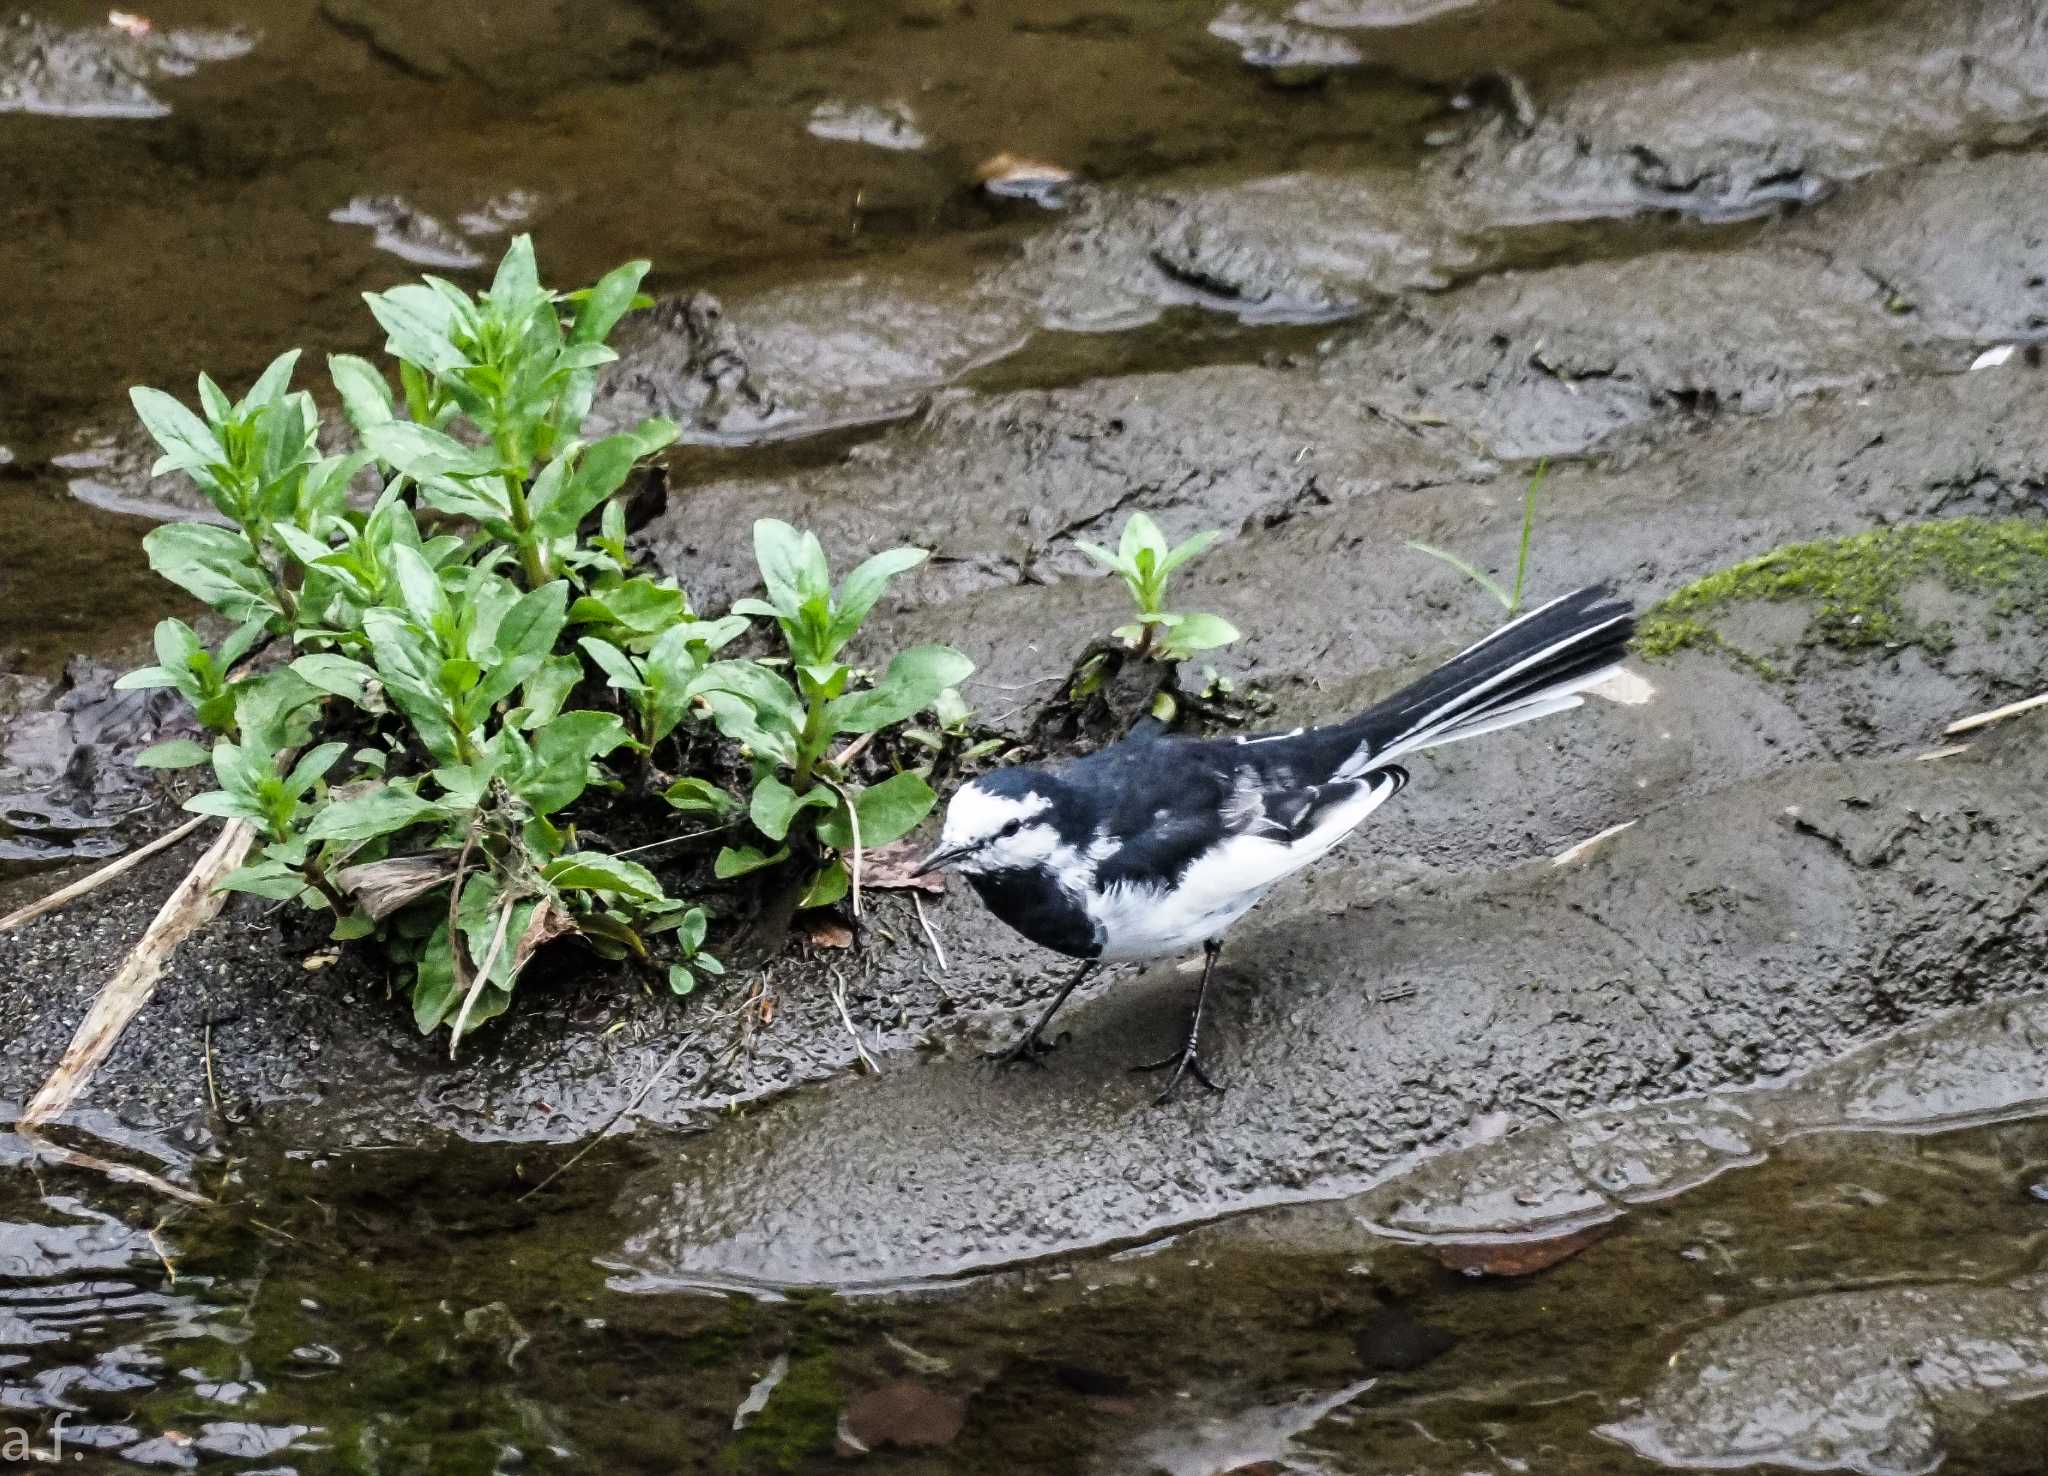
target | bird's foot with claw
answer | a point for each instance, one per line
(1026, 1051)
(1184, 1062)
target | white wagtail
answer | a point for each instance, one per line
(1155, 844)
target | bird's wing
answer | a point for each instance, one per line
(1172, 807)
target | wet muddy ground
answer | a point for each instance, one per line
(1327, 277)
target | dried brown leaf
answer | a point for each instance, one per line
(1521, 1257)
(382, 887)
(550, 921)
(894, 868)
(826, 931)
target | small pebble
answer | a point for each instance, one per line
(2040, 1191)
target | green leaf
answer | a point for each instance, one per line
(888, 811)
(859, 591)
(548, 688)
(338, 676)
(830, 884)
(614, 663)
(913, 682)
(563, 752)
(1141, 535)
(740, 860)
(680, 979)
(272, 384)
(690, 930)
(422, 452)
(215, 405)
(525, 637)
(417, 320)
(600, 471)
(426, 599)
(791, 563)
(753, 705)
(775, 805)
(593, 871)
(357, 924)
(214, 565)
(365, 395)
(179, 753)
(699, 797)
(227, 806)
(178, 646)
(312, 767)
(517, 282)
(641, 605)
(1188, 550)
(1105, 558)
(607, 302)
(434, 996)
(1483, 580)
(264, 878)
(271, 710)
(385, 810)
(610, 936)
(148, 677)
(1200, 633)
(188, 443)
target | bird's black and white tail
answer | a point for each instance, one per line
(1529, 668)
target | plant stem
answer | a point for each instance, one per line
(316, 878)
(531, 558)
(810, 745)
(1528, 524)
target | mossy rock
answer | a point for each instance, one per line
(1859, 587)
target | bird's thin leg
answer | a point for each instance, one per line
(1186, 1059)
(1034, 1044)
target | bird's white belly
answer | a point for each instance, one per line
(1141, 923)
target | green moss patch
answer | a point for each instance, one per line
(1858, 585)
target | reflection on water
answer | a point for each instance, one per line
(411, 1312)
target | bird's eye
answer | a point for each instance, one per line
(1012, 828)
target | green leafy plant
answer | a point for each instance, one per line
(1143, 560)
(441, 823)
(414, 763)
(803, 802)
(1510, 599)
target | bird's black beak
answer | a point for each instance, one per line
(938, 860)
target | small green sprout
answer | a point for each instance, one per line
(1510, 600)
(1143, 561)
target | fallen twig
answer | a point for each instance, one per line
(1996, 715)
(122, 1172)
(483, 972)
(191, 905)
(1573, 853)
(98, 878)
(617, 1117)
(846, 1019)
(853, 822)
(930, 934)
(852, 750)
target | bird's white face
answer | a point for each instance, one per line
(989, 832)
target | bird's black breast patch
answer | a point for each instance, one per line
(1033, 903)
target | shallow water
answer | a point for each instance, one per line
(411, 1311)
(230, 180)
